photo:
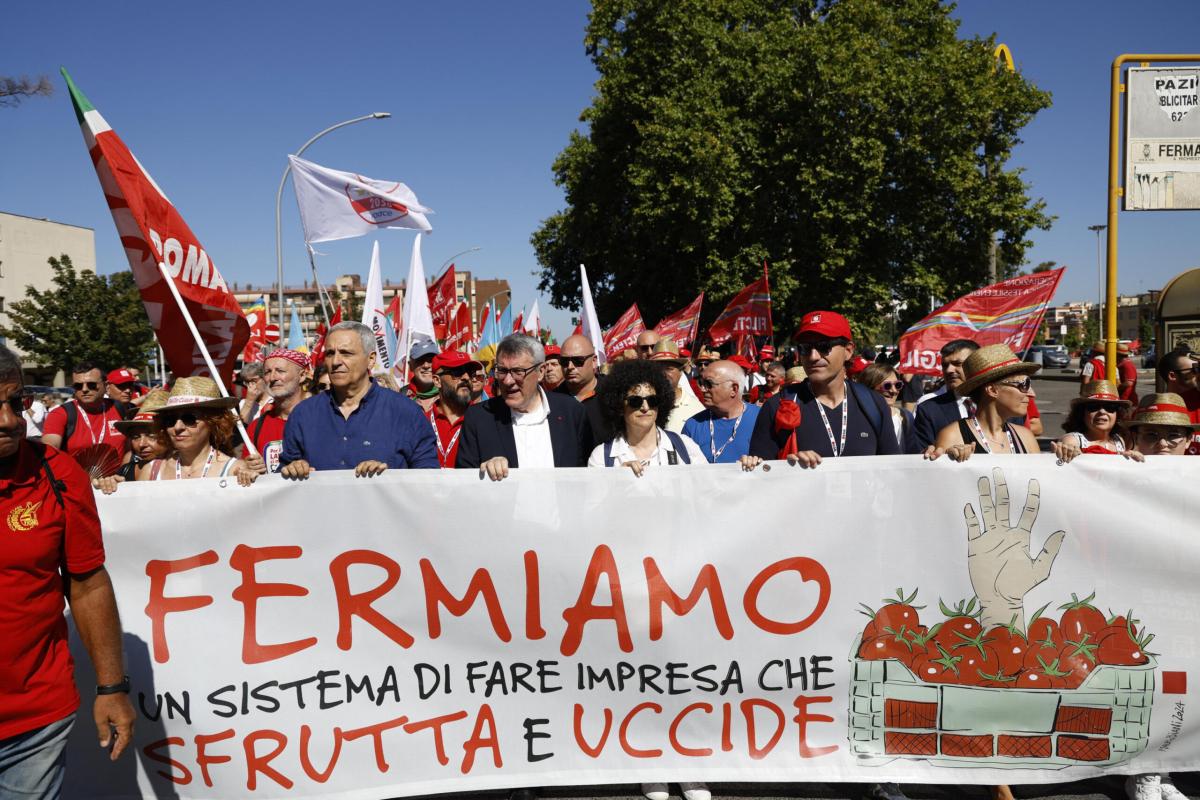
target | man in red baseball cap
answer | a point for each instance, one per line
(122, 387)
(452, 371)
(552, 372)
(826, 415)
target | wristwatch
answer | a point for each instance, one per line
(115, 688)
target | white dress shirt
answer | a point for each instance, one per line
(964, 403)
(622, 452)
(531, 430)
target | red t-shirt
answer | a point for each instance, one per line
(1093, 370)
(1127, 373)
(37, 537)
(1191, 399)
(1032, 412)
(90, 429)
(266, 431)
(447, 437)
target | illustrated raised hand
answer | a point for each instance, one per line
(998, 558)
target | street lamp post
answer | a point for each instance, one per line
(456, 255)
(1100, 266)
(279, 200)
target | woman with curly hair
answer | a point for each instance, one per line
(1092, 424)
(203, 433)
(636, 399)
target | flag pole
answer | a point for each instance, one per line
(320, 290)
(212, 368)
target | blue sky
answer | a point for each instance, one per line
(211, 97)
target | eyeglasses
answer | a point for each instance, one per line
(1111, 408)
(519, 373)
(635, 401)
(891, 386)
(705, 383)
(188, 419)
(127, 386)
(1021, 386)
(823, 347)
(89, 385)
(1173, 438)
(574, 361)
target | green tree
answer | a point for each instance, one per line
(842, 141)
(85, 317)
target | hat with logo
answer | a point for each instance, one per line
(453, 359)
(857, 365)
(119, 376)
(666, 352)
(195, 392)
(825, 323)
(990, 364)
(422, 348)
(145, 416)
(766, 352)
(1167, 409)
(552, 350)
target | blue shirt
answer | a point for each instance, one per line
(386, 427)
(723, 431)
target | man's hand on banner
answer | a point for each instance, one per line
(495, 468)
(1002, 570)
(749, 463)
(369, 469)
(805, 458)
(297, 470)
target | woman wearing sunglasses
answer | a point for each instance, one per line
(636, 399)
(1000, 387)
(202, 433)
(1092, 424)
(884, 379)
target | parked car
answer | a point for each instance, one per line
(1053, 356)
(1150, 358)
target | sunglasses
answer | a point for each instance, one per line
(892, 386)
(823, 347)
(188, 419)
(1021, 386)
(635, 401)
(574, 361)
(458, 372)
(89, 385)
(1111, 408)
(705, 383)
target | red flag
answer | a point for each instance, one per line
(318, 349)
(578, 329)
(519, 321)
(682, 326)
(458, 331)
(624, 333)
(152, 231)
(256, 318)
(394, 313)
(747, 349)
(747, 313)
(1009, 312)
(443, 298)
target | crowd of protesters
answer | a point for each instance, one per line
(551, 406)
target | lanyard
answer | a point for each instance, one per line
(833, 444)
(212, 452)
(712, 443)
(87, 421)
(437, 437)
(983, 440)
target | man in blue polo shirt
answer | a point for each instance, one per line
(723, 428)
(356, 424)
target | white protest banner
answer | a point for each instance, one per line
(585, 626)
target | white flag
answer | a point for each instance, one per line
(417, 324)
(375, 316)
(591, 325)
(340, 205)
(533, 323)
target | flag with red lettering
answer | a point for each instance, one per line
(443, 297)
(749, 312)
(152, 231)
(623, 335)
(256, 318)
(682, 326)
(458, 331)
(1009, 312)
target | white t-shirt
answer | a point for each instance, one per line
(621, 452)
(35, 415)
(531, 430)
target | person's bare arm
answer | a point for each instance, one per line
(52, 439)
(94, 609)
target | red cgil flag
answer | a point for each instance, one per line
(443, 298)
(458, 331)
(682, 326)
(1009, 312)
(747, 313)
(152, 231)
(317, 356)
(623, 335)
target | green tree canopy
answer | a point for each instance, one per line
(843, 141)
(85, 317)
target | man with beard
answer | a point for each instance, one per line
(454, 371)
(422, 387)
(284, 373)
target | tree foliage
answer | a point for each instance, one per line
(85, 317)
(13, 91)
(842, 141)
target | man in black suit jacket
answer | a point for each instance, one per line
(935, 413)
(523, 425)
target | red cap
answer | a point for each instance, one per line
(825, 323)
(452, 359)
(742, 362)
(119, 376)
(683, 351)
(552, 350)
(766, 351)
(857, 365)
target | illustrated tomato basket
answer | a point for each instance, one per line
(894, 714)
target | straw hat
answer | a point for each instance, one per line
(990, 364)
(667, 352)
(196, 392)
(1099, 392)
(145, 417)
(1163, 409)
(795, 375)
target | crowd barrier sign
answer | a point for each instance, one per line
(427, 632)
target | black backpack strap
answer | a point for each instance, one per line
(608, 456)
(72, 412)
(56, 486)
(680, 450)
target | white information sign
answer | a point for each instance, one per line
(1162, 156)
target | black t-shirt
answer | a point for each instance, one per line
(862, 438)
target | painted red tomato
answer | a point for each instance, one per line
(886, 646)
(1010, 645)
(955, 629)
(1078, 660)
(1080, 618)
(1114, 646)
(977, 665)
(1036, 679)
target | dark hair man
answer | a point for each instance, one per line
(356, 424)
(88, 419)
(938, 409)
(52, 549)
(453, 372)
(1177, 372)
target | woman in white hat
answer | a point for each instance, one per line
(1092, 424)
(202, 431)
(1161, 426)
